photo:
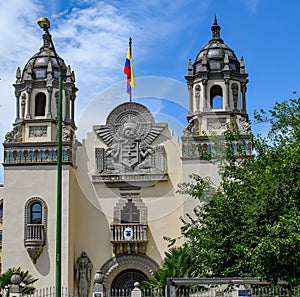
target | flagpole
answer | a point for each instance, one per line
(130, 42)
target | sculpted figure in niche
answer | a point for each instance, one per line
(197, 96)
(235, 92)
(23, 103)
(83, 269)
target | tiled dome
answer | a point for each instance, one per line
(43, 61)
(213, 54)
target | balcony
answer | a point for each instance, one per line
(35, 239)
(129, 238)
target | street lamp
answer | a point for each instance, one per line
(45, 25)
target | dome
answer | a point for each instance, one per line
(211, 57)
(38, 65)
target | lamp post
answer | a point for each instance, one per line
(45, 25)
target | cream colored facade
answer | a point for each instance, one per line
(119, 184)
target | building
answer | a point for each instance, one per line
(119, 183)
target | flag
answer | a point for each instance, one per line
(128, 70)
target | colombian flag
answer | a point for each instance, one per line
(128, 70)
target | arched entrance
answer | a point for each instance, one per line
(121, 272)
(123, 283)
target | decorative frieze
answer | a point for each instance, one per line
(203, 150)
(38, 155)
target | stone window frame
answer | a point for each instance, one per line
(27, 215)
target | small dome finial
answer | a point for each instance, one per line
(215, 29)
(215, 20)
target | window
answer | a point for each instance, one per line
(36, 213)
(35, 228)
(35, 219)
(40, 104)
(216, 97)
(130, 213)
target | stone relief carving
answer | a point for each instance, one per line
(83, 269)
(66, 133)
(15, 135)
(192, 127)
(216, 123)
(38, 131)
(129, 132)
(243, 125)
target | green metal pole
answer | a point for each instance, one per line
(59, 176)
(59, 180)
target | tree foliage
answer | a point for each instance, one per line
(250, 225)
(177, 263)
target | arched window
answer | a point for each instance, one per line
(36, 213)
(35, 226)
(40, 104)
(216, 97)
(130, 213)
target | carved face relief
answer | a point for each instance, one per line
(129, 131)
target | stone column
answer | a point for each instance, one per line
(28, 115)
(204, 82)
(49, 89)
(17, 94)
(227, 94)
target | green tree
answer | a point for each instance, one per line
(27, 280)
(250, 225)
(177, 263)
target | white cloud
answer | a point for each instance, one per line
(92, 36)
(252, 4)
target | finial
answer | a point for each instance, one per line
(215, 20)
(190, 67)
(215, 29)
(18, 75)
(46, 39)
(242, 65)
(69, 74)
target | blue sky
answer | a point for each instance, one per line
(92, 36)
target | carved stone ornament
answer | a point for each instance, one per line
(66, 133)
(129, 131)
(216, 123)
(15, 135)
(34, 251)
(38, 131)
(192, 127)
(243, 125)
(83, 269)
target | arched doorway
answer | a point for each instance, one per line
(123, 283)
(121, 272)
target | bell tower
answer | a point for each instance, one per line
(217, 86)
(30, 165)
(36, 91)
